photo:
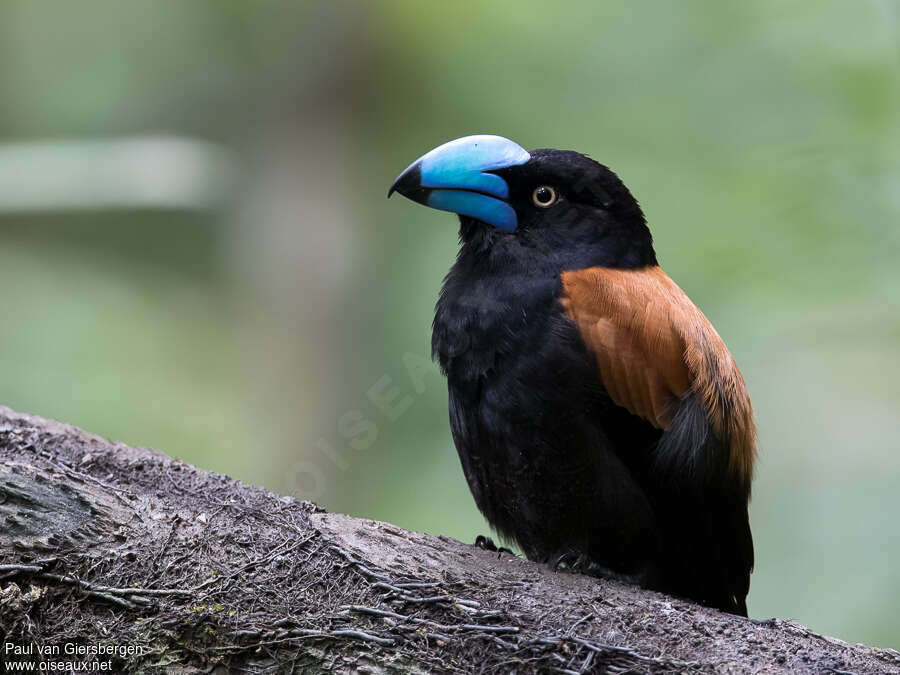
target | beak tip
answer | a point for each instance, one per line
(408, 182)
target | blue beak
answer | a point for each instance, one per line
(454, 177)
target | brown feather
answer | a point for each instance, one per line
(652, 345)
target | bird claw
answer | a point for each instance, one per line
(487, 544)
(571, 561)
(580, 563)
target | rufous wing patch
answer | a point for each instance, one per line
(652, 345)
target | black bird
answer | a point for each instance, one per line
(601, 422)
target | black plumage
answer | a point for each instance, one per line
(580, 441)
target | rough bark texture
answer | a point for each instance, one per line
(108, 547)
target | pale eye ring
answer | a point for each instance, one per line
(544, 196)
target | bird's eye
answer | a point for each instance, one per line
(544, 196)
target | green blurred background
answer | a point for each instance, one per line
(196, 253)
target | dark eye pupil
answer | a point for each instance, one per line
(544, 195)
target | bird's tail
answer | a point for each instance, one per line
(704, 509)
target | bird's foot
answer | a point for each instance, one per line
(580, 563)
(488, 544)
(575, 561)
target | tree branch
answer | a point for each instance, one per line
(152, 565)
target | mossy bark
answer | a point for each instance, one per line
(152, 565)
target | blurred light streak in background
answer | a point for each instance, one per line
(137, 173)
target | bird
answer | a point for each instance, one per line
(601, 422)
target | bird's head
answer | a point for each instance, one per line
(556, 204)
